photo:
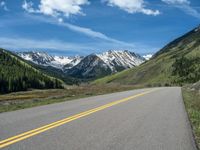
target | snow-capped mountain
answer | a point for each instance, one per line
(44, 59)
(125, 59)
(91, 66)
(98, 65)
(147, 56)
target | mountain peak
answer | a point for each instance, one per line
(121, 58)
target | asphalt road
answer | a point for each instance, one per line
(143, 119)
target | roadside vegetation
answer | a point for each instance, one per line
(192, 104)
(21, 100)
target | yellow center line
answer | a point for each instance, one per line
(25, 135)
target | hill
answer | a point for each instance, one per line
(17, 75)
(175, 64)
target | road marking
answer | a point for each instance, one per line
(42, 129)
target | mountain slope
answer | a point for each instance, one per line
(177, 63)
(17, 75)
(57, 73)
(98, 65)
(120, 60)
(90, 67)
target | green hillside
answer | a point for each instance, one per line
(17, 75)
(176, 64)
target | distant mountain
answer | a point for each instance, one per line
(176, 64)
(17, 75)
(120, 60)
(99, 65)
(88, 67)
(44, 59)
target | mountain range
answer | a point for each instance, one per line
(44, 59)
(177, 63)
(89, 67)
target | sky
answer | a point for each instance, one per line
(81, 27)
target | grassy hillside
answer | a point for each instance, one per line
(17, 75)
(177, 63)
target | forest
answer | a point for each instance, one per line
(17, 75)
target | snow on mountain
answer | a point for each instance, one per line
(99, 65)
(120, 58)
(91, 66)
(44, 59)
(147, 56)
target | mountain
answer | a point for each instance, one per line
(17, 75)
(44, 59)
(120, 60)
(88, 67)
(176, 64)
(99, 65)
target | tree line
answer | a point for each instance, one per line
(17, 75)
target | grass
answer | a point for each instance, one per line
(159, 70)
(21, 100)
(192, 104)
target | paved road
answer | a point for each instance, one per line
(154, 120)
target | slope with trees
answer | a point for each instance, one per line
(17, 75)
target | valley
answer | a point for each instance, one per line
(100, 75)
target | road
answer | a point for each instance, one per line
(145, 119)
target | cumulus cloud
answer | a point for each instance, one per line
(132, 6)
(56, 8)
(3, 5)
(185, 6)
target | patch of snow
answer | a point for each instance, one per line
(42, 58)
(147, 57)
(122, 58)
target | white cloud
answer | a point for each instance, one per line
(28, 6)
(21, 43)
(132, 6)
(94, 34)
(56, 8)
(3, 5)
(82, 30)
(176, 1)
(185, 6)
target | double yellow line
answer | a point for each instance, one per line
(39, 130)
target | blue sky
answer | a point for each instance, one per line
(71, 27)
